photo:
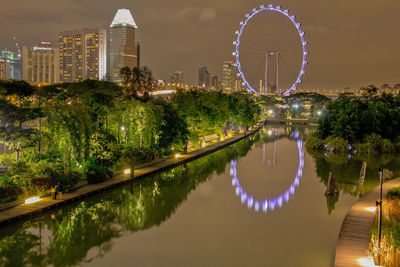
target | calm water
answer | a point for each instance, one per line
(260, 202)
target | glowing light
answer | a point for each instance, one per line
(301, 35)
(269, 204)
(127, 171)
(269, 132)
(371, 209)
(366, 262)
(32, 200)
(270, 112)
(178, 156)
(122, 128)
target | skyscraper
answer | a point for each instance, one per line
(228, 77)
(15, 63)
(83, 54)
(40, 64)
(177, 77)
(214, 83)
(5, 69)
(204, 78)
(122, 47)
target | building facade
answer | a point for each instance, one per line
(40, 64)
(177, 77)
(204, 78)
(122, 47)
(15, 63)
(83, 55)
(5, 69)
(215, 84)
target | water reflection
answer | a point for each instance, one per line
(354, 175)
(83, 232)
(269, 204)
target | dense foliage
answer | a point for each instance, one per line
(370, 122)
(60, 134)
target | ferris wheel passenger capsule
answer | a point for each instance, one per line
(234, 42)
(234, 54)
(262, 6)
(279, 7)
(254, 9)
(241, 23)
(286, 11)
(238, 74)
(237, 32)
(270, 6)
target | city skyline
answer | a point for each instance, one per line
(344, 47)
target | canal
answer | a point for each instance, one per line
(259, 202)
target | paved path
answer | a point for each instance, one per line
(353, 238)
(25, 210)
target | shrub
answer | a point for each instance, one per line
(314, 143)
(338, 145)
(95, 172)
(139, 155)
(8, 190)
(394, 193)
(49, 174)
(388, 146)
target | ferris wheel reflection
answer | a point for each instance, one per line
(274, 202)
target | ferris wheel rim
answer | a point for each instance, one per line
(301, 33)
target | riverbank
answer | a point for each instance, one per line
(353, 240)
(23, 211)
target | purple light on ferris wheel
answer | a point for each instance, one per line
(271, 8)
(269, 204)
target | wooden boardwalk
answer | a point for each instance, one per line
(25, 210)
(353, 238)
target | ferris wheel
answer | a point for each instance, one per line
(270, 51)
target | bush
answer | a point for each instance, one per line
(337, 144)
(95, 172)
(8, 190)
(314, 143)
(139, 155)
(50, 174)
(376, 144)
(394, 193)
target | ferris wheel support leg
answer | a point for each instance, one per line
(266, 74)
(277, 73)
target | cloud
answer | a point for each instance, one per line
(316, 29)
(200, 14)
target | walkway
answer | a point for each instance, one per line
(353, 238)
(25, 210)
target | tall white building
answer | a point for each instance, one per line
(122, 47)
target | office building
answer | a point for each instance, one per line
(5, 69)
(177, 77)
(15, 63)
(214, 83)
(123, 50)
(83, 54)
(40, 64)
(204, 78)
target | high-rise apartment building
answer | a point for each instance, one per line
(5, 69)
(15, 63)
(122, 46)
(40, 64)
(83, 54)
(204, 78)
(177, 77)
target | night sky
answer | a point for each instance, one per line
(352, 43)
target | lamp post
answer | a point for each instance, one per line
(379, 203)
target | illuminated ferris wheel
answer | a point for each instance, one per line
(270, 51)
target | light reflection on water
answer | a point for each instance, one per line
(269, 204)
(190, 216)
